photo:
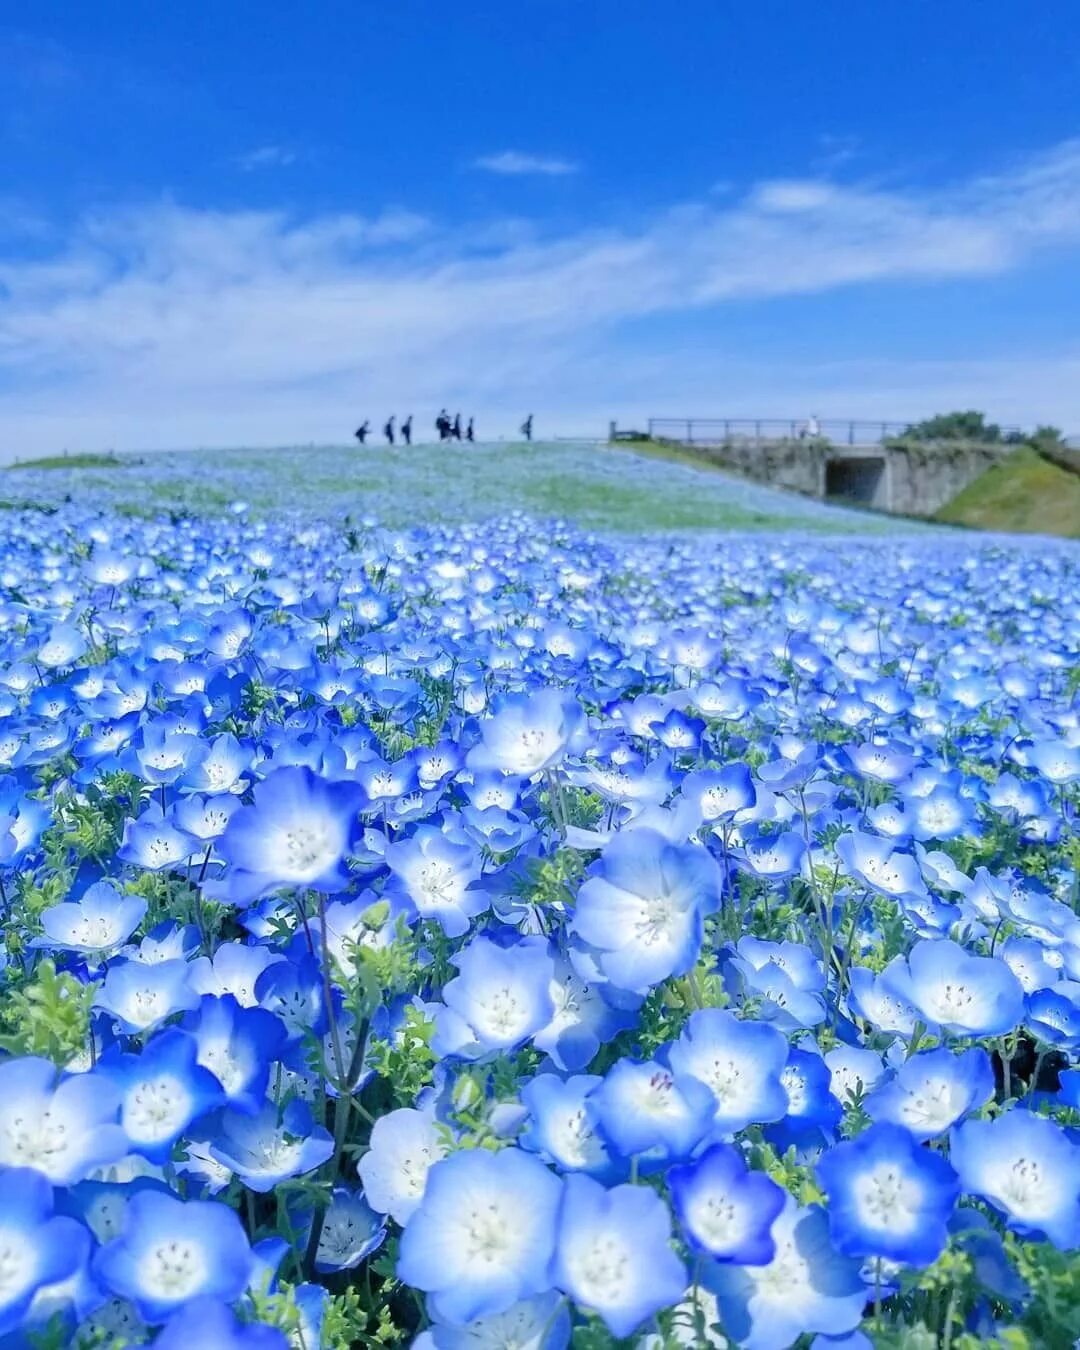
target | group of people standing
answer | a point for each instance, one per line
(449, 429)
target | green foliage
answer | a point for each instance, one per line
(406, 1062)
(1052, 1318)
(955, 426)
(796, 1179)
(49, 1016)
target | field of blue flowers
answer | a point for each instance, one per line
(597, 486)
(494, 937)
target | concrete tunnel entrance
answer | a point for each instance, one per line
(859, 480)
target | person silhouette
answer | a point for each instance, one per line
(526, 427)
(361, 432)
(406, 430)
(388, 430)
(469, 433)
(456, 429)
(442, 425)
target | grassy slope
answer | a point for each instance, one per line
(1024, 493)
(80, 461)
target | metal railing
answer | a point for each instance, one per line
(839, 431)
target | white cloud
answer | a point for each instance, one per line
(513, 162)
(166, 326)
(267, 157)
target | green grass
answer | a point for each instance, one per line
(1025, 493)
(80, 461)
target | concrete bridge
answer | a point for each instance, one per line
(869, 463)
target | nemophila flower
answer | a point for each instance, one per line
(61, 1127)
(404, 1146)
(490, 789)
(204, 818)
(271, 1145)
(888, 1196)
(807, 1287)
(483, 1236)
(1028, 1168)
(385, 783)
(351, 1230)
(725, 1209)
(740, 1062)
(562, 1125)
(583, 1019)
(877, 863)
(932, 1090)
(529, 733)
(643, 906)
(807, 1081)
(234, 969)
(1058, 762)
(784, 978)
(164, 752)
(942, 813)
(880, 760)
(950, 988)
(872, 998)
(438, 763)
(107, 568)
(853, 1071)
(293, 991)
(153, 842)
(647, 1110)
(796, 762)
(1069, 1091)
(541, 1323)
(168, 941)
(238, 1045)
(139, 996)
(22, 823)
(772, 856)
(219, 767)
(439, 875)
(37, 1248)
(172, 1251)
(613, 1253)
(500, 997)
(63, 647)
(941, 872)
(162, 1090)
(497, 830)
(209, 1322)
(1053, 1015)
(230, 633)
(98, 923)
(298, 833)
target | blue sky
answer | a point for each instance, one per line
(256, 223)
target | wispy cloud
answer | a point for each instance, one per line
(267, 157)
(514, 162)
(834, 151)
(169, 326)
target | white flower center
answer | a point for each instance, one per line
(176, 1269)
